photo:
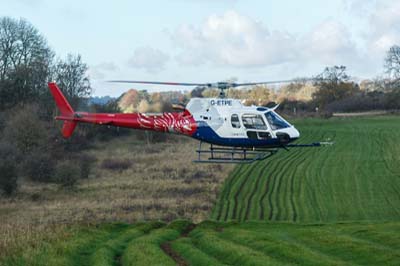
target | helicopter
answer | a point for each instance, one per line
(235, 133)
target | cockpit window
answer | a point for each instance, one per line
(253, 121)
(275, 121)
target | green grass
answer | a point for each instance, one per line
(357, 178)
(222, 243)
(335, 205)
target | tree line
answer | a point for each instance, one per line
(30, 143)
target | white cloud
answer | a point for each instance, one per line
(384, 24)
(235, 40)
(100, 71)
(148, 58)
(330, 43)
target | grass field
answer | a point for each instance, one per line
(333, 205)
(357, 178)
(221, 243)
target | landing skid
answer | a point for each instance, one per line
(220, 154)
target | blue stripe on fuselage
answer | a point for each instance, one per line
(205, 133)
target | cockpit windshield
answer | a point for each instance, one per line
(275, 121)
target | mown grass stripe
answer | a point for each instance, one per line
(228, 252)
(193, 255)
(283, 250)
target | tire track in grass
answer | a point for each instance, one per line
(361, 151)
(109, 252)
(269, 189)
(230, 190)
(193, 255)
(309, 204)
(364, 174)
(245, 190)
(375, 234)
(304, 171)
(241, 186)
(326, 188)
(229, 252)
(276, 176)
(266, 173)
(294, 174)
(253, 191)
(224, 195)
(279, 178)
(383, 187)
(291, 196)
(167, 246)
(146, 250)
(237, 178)
(281, 249)
(229, 210)
(281, 195)
(329, 241)
(83, 253)
(316, 175)
(261, 201)
(394, 185)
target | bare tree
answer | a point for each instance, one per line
(71, 75)
(392, 65)
(333, 84)
(25, 60)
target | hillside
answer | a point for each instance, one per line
(358, 178)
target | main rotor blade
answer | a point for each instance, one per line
(270, 82)
(159, 83)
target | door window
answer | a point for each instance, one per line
(235, 121)
(253, 121)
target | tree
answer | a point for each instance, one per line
(67, 174)
(259, 95)
(8, 168)
(333, 84)
(25, 130)
(25, 61)
(392, 65)
(71, 76)
(143, 106)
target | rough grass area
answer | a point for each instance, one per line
(357, 178)
(140, 182)
(219, 243)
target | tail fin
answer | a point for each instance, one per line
(67, 113)
(62, 103)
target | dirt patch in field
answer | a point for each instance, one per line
(166, 247)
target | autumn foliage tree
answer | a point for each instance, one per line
(332, 85)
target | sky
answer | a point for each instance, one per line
(214, 40)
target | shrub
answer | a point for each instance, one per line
(67, 174)
(39, 167)
(116, 164)
(85, 164)
(25, 130)
(8, 168)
